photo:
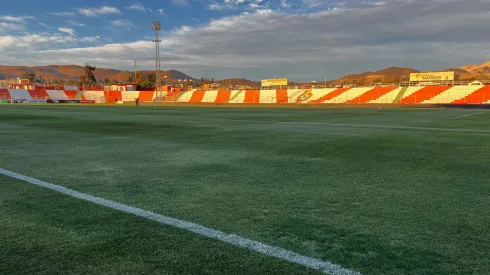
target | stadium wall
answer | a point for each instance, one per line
(361, 95)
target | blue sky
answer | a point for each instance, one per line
(299, 39)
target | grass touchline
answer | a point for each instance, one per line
(235, 240)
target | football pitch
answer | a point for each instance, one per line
(403, 191)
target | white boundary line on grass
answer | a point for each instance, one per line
(369, 126)
(290, 256)
(474, 114)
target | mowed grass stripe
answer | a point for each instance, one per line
(473, 114)
(272, 251)
(48, 233)
(377, 201)
(369, 126)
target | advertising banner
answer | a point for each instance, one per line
(87, 101)
(432, 76)
(275, 82)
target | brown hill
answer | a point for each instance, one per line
(462, 74)
(388, 75)
(391, 74)
(238, 82)
(477, 72)
(485, 68)
(73, 72)
(397, 74)
(174, 74)
(456, 70)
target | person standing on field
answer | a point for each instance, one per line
(137, 101)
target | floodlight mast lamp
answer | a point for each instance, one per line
(157, 28)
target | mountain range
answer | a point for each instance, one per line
(73, 72)
(399, 74)
(392, 74)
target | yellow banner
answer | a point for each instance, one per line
(432, 76)
(275, 82)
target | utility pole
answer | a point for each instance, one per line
(134, 79)
(135, 71)
(157, 28)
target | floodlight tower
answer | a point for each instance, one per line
(157, 28)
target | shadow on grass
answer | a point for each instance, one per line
(366, 252)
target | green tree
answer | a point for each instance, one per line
(88, 76)
(147, 84)
(151, 78)
(30, 76)
(139, 77)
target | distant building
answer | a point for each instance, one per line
(14, 81)
(123, 87)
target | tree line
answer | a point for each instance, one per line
(146, 82)
(88, 78)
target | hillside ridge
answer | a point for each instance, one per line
(390, 74)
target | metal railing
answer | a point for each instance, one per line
(35, 99)
(303, 85)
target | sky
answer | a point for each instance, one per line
(255, 39)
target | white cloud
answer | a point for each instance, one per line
(116, 49)
(183, 29)
(264, 11)
(62, 13)
(136, 7)
(237, 2)
(218, 6)
(12, 19)
(285, 4)
(161, 10)
(28, 49)
(16, 19)
(75, 23)
(33, 41)
(6, 41)
(354, 37)
(89, 39)
(180, 3)
(230, 5)
(67, 30)
(44, 25)
(91, 12)
(122, 23)
(6, 27)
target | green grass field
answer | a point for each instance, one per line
(393, 192)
